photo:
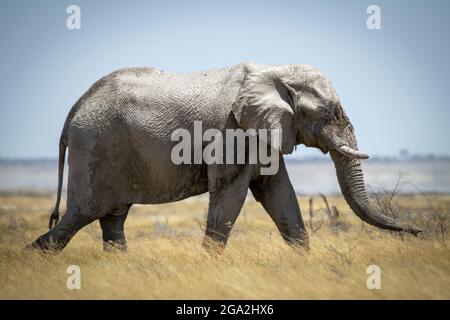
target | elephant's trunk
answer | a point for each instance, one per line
(351, 181)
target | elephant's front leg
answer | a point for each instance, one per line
(278, 198)
(225, 203)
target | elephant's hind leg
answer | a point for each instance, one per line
(113, 230)
(57, 238)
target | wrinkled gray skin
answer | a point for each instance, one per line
(119, 140)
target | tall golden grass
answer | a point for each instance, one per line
(165, 259)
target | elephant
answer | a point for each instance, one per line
(119, 137)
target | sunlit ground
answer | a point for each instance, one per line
(165, 259)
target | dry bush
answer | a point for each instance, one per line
(313, 228)
(433, 219)
(336, 223)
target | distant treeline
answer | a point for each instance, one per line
(415, 157)
(48, 161)
(290, 159)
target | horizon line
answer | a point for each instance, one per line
(427, 156)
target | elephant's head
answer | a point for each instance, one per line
(302, 102)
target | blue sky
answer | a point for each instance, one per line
(393, 82)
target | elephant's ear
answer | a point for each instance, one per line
(266, 101)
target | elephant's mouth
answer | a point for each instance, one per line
(328, 140)
(351, 153)
(346, 151)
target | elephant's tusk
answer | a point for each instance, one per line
(351, 153)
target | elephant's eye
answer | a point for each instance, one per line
(326, 112)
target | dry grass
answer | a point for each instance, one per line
(165, 259)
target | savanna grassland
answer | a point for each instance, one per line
(165, 258)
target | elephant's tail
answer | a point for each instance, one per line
(54, 217)
(63, 143)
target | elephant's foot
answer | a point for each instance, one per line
(300, 248)
(214, 246)
(115, 246)
(46, 244)
(299, 243)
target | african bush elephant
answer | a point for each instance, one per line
(119, 139)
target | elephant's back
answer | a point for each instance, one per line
(152, 95)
